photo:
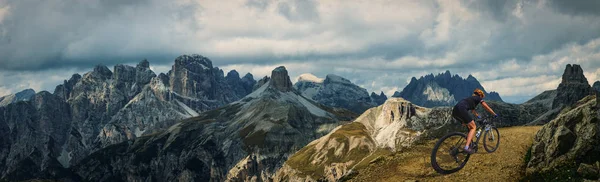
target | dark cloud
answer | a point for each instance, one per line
(377, 44)
(41, 35)
(577, 7)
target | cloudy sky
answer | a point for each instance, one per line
(518, 48)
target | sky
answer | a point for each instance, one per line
(518, 48)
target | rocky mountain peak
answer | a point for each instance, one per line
(24, 95)
(597, 86)
(573, 73)
(573, 87)
(331, 78)
(27, 93)
(471, 78)
(248, 76)
(378, 99)
(233, 74)
(280, 79)
(64, 90)
(144, 64)
(193, 62)
(101, 72)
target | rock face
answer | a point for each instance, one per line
(247, 140)
(52, 132)
(597, 86)
(569, 142)
(442, 90)
(24, 95)
(33, 133)
(388, 128)
(335, 91)
(537, 109)
(573, 87)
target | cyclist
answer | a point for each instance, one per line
(460, 112)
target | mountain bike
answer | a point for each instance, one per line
(448, 155)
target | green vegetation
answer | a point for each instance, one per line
(301, 160)
(527, 156)
(565, 173)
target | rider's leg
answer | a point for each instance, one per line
(471, 134)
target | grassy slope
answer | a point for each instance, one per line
(506, 164)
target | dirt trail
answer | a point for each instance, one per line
(506, 164)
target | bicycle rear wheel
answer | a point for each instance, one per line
(448, 155)
(491, 140)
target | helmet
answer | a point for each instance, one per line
(479, 93)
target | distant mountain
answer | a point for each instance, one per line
(378, 99)
(247, 140)
(336, 91)
(442, 90)
(386, 129)
(53, 131)
(24, 95)
(597, 85)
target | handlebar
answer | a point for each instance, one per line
(484, 119)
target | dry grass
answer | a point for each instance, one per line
(506, 164)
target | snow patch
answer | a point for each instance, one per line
(307, 77)
(258, 91)
(65, 158)
(138, 132)
(311, 107)
(187, 109)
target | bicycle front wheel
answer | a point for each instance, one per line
(448, 155)
(491, 140)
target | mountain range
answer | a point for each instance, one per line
(339, 92)
(194, 123)
(246, 140)
(443, 89)
(53, 131)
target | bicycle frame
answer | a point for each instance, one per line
(487, 125)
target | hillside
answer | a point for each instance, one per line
(506, 164)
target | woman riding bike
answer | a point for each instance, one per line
(460, 112)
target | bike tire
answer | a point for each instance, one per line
(434, 152)
(495, 134)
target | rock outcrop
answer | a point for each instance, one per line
(24, 95)
(573, 87)
(395, 125)
(247, 140)
(338, 92)
(568, 143)
(442, 90)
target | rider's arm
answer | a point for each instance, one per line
(486, 107)
(474, 113)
